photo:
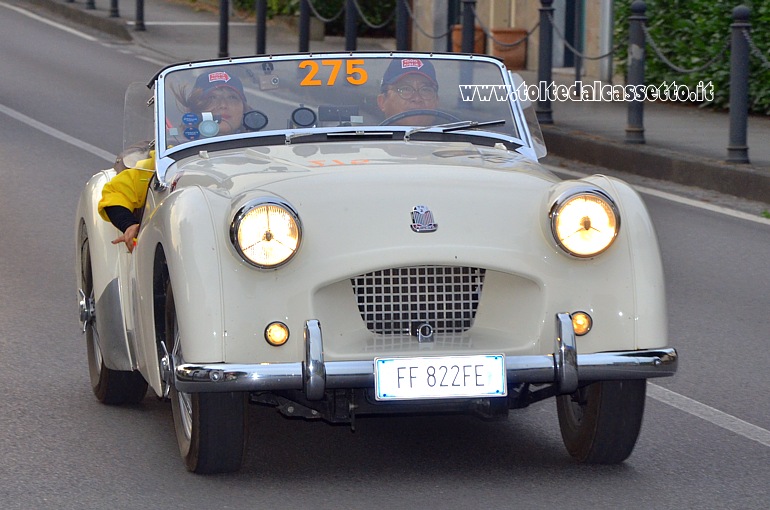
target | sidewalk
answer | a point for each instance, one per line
(683, 144)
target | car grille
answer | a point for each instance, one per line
(396, 301)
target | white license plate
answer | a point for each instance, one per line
(440, 377)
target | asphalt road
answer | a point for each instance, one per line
(705, 442)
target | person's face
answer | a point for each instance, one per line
(226, 104)
(412, 92)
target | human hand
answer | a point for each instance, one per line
(128, 237)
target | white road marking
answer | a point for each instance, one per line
(678, 199)
(708, 413)
(49, 22)
(151, 60)
(96, 151)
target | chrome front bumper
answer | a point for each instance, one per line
(314, 376)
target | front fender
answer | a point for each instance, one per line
(651, 318)
(182, 229)
(623, 287)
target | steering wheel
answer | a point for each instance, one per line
(411, 113)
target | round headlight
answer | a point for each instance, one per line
(266, 233)
(585, 224)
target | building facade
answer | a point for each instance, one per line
(585, 25)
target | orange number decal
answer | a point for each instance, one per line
(336, 64)
(360, 72)
(332, 162)
(310, 80)
(356, 74)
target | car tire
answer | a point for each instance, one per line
(600, 422)
(211, 428)
(111, 387)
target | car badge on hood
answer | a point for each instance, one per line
(422, 219)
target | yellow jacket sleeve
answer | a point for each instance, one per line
(128, 188)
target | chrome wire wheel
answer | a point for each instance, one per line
(88, 315)
(181, 402)
(184, 400)
(95, 359)
(185, 414)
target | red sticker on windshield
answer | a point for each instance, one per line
(407, 63)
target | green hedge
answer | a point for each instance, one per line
(274, 7)
(692, 32)
(376, 13)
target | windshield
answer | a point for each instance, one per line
(301, 95)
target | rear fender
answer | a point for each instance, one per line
(107, 262)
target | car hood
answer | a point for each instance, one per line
(353, 199)
(402, 164)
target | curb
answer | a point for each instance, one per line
(91, 18)
(657, 163)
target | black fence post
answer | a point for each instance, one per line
(578, 42)
(469, 30)
(114, 9)
(139, 22)
(304, 26)
(544, 63)
(224, 12)
(636, 55)
(351, 25)
(261, 13)
(450, 20)
(738, 150)
(402, 27)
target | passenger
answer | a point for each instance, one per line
(214, 106)
(409, 84)
(124, 194)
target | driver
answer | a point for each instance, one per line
(214, 106)
(409, 84)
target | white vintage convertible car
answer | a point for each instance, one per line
(324, 253)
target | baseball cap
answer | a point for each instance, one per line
(400, 67)
(211, 80)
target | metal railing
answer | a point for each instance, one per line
(741, 48)
(739, 43)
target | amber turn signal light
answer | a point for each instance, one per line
(276, 333)
(581, 323)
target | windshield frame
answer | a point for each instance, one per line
(166, 153)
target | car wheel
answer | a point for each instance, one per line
(600, 422)
(111, 387)
(211, 428)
